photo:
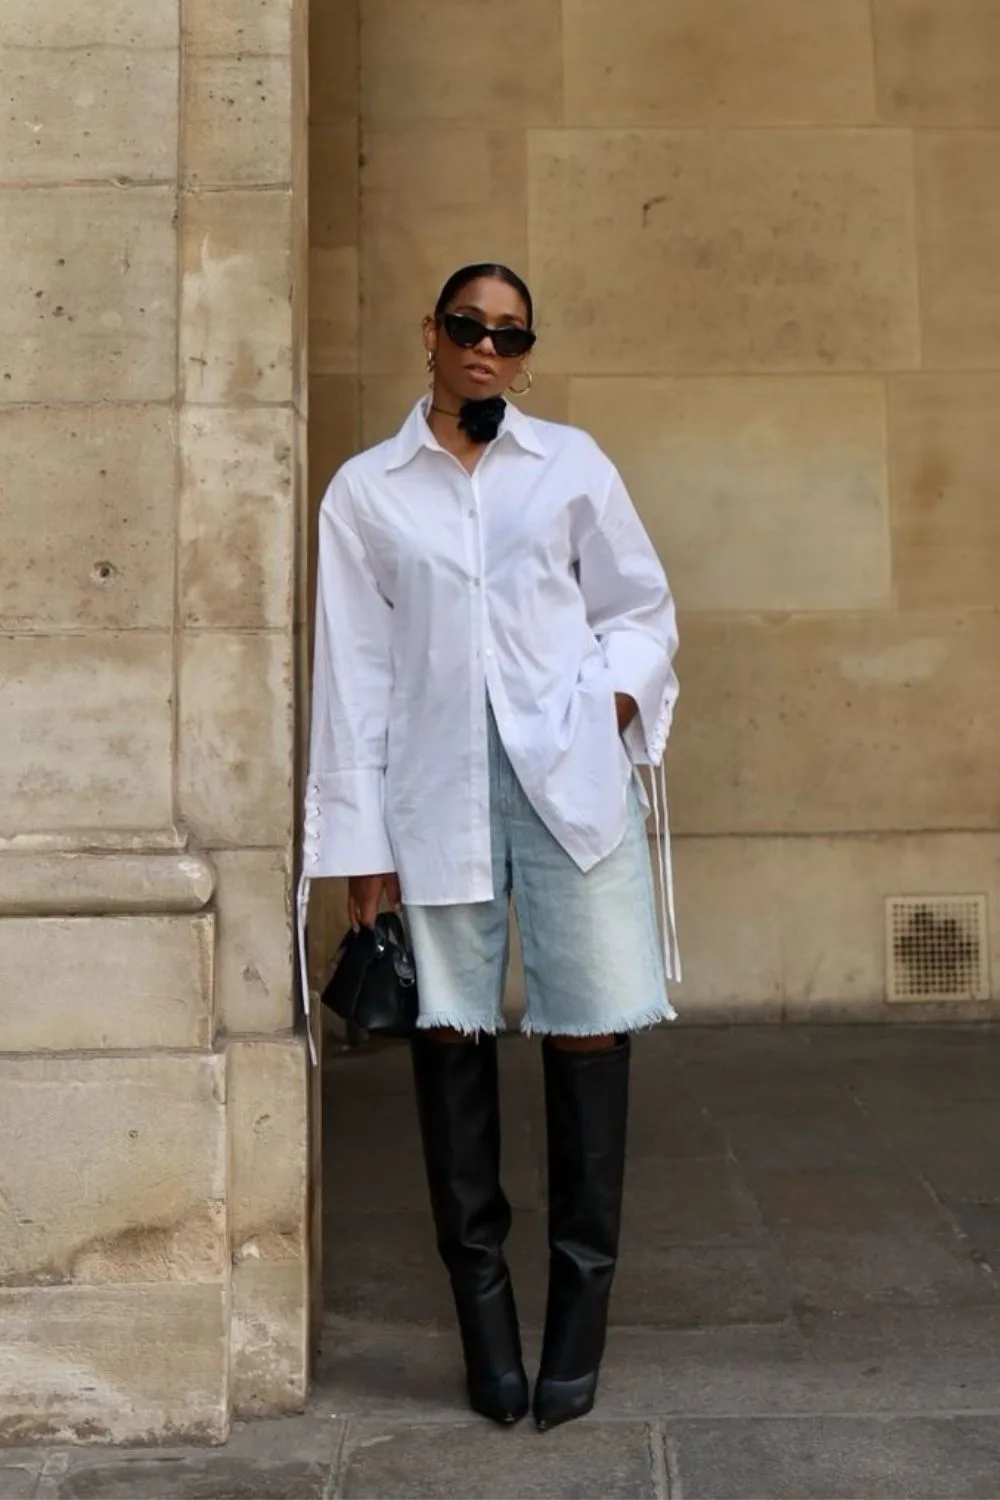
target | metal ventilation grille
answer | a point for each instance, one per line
(936, 948)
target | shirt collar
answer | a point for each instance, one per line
(416, 434)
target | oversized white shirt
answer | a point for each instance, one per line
(531, 580)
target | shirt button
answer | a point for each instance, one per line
(472, 515)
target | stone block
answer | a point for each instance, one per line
(113, 1364)
(237, 519)
(35, 882)
(268, 1151)
(431, 199)
(119, 1175)
(334, 315)
(236, 315)
(728, 900)
(451, 62)
(106, 559)
(267, 1145)
(220, 28)
(81, 23)
(945, 519)
(831, 904)
(98, 983)
(87, 732)
(90, 312)
(236, 737)
(237, 121)
(836, 723)
(333, 185)
(269, 1338)
(286, 1460)
(757, 250)
(97, 112)
(599, 1459)
(334, 61)
(959, 226)
(759, 494)
(254, 985)
(838, 1457)
(724, 62)
(938, 64)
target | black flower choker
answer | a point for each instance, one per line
(481, 419)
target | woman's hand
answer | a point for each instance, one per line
(364, 896)
(626, 708)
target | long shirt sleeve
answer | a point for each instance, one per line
(345, 832)
(631, 611)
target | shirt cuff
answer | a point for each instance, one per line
(345, 832)
(640, 668)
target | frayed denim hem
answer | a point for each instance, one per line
(446, 1021)
(639, 1020)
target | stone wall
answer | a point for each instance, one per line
(764, 243)
(153, 1104)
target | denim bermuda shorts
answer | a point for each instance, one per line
(593, 962)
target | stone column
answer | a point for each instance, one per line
(153, 1090)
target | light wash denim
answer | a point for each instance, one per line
(593, 961)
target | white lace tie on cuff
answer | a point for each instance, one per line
(668, 920)
(301, 913)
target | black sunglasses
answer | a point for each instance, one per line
(510, 342)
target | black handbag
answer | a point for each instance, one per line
(374, 981)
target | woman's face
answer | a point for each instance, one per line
(476, 373)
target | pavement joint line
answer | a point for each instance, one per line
(673, 1466)
(656, 1438)
(331, 1488)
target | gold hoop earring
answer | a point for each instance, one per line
(529, 381)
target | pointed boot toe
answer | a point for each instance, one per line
(559, 1401)
(504, 1399)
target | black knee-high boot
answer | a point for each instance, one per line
(586, 1100)
(459, 1108)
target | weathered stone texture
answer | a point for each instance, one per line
(119, 1175)
(236, 323)
(39, 882)
(105, 982)
(938, 64)
(86, 518)
(959, 216)
(268, 1145)
(89, 315)
(756, 250)
(90, 113)
(87, 734)
(470, 62)
(236, 517)
(723, 62)
(255, 964)
(237, 121)
(761, 494)
(236, 745)
(945, 511)
(113, 1364)
(830, 723)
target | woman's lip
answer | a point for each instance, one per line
(481, 372)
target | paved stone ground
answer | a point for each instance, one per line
(808, 1303)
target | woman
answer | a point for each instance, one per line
(494, 637)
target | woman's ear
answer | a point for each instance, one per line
(430, 334)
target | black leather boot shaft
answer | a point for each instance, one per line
(586, 1099)
(459, 1109)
